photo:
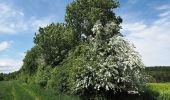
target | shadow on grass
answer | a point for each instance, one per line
(147, 95)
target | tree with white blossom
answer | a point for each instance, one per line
(113, 67)
(87, 55)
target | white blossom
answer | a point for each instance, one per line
(112, 62)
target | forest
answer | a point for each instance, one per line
(87, 58)
(160, 74)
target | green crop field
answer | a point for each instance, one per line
(160, 91)
(162, 88)
(14, 90)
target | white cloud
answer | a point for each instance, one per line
(9, 65)
(165, 11)
(4, 45)
(164, 14)
(152, 41)
(163, 7)
(138, 26)
(13, 20)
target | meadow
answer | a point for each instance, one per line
(14, 90)
(158, 91)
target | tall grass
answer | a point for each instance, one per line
(15, 90)
(157, 91)
(162, 88)
(5, 91)
(45, 94)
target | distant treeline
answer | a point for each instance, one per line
(159, 73)
(9, 76)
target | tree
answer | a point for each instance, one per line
(113, 66)
(55, 41)
(1, 76)
(81, 15)
(105, 64)
(30, 64)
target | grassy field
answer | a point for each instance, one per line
(13, 90)
(159, 91)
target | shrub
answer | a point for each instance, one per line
(59, 80)
(113, 65)
(43, 75)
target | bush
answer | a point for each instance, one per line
(59, 80)
(63, 76)
(112, 66)
(43, 75)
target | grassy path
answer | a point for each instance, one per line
(13, 93)
(12, 90)
(28, 91)
(31, 93)
(15, 90)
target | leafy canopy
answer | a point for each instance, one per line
(81, 15)
(55, 41)
(104, 64)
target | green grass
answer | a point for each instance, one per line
(14, 90)
(161, 89)
(157, 91)
(6, 91)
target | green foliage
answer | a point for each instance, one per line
(9, 76)
(81, 15)
(159, 73)
(1, 76)
(30, 64)
(55, 41)
(100, 67)
(112, 66)
(63, 76)
(43, 75)
(59, 80)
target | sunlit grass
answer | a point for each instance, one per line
(161, 89)
(15, 90)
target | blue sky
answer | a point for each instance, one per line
(146, 24)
